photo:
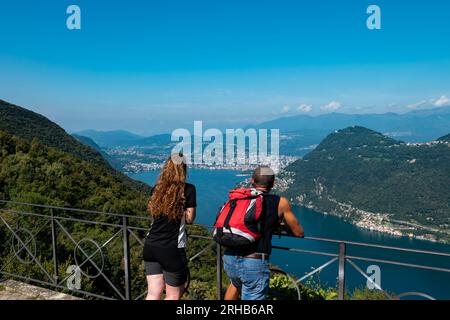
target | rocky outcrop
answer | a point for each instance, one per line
(15, 290)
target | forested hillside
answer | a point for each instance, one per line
(377, 182)
(29, 126)
(32, 172)
(91, 143)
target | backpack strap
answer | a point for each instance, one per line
(262, 220)
(226, 223)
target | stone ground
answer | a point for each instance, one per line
(15, 290)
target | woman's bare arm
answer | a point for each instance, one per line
(190, 215)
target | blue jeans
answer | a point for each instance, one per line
(250, 276)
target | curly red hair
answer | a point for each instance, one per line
(168, 194)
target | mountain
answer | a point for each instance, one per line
(125, 150)
(91, 143)
(444, 138)
(107, 139)
(32, 172)
(301, 133)
(410, 124)
(88, 142)
(160, 139)
(30, 126)
(376, 182)
(124, 139)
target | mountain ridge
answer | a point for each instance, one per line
(301, 133)
(91, 143)
(111, 137)
(376, 182)
(29, 125)
(445, 138)
(333, 116)
(304, 131)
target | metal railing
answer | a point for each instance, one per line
(26, 222)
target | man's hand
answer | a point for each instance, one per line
(284, 210)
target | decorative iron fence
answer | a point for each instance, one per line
(40, 242)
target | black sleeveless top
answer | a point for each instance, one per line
(270, 223)
(165, 233)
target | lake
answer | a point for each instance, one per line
(212, 191)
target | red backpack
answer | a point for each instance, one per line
(238, 222)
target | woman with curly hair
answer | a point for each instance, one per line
(172, 205)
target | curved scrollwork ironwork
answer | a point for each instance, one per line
(89, 257)
(413, 294)
(20, 244)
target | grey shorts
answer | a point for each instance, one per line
(170, 262)
(174, 279)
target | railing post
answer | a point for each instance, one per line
(219, 271)
(126, 258)
(54, 245)
(341, 272)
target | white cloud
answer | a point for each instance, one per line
(418, 104)
(285, 109)
(305, 108)
(443, 101)
(333, 105)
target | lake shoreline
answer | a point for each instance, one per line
(367, 223)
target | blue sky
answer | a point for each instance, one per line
(152, 66)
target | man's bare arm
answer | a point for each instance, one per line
(190, 215)
(284, 209)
